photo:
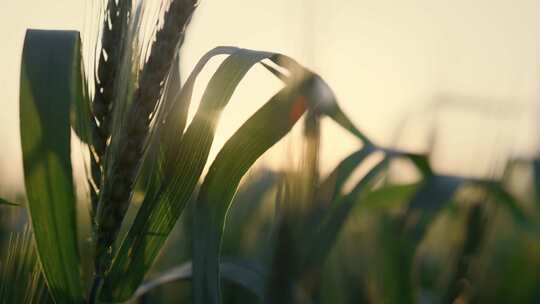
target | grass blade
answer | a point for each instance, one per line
(429, 199)
(239, 272)
(321, 241)
(158, 213)
(435, 191)
(260, 132)
(21, 280)
(249, 200)
(45, 99)
(332, 185)
(80, 107)
(507, 200)
(420, 161)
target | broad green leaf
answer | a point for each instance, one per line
(241, 273)
(185, 162)
(260, 132)
(50, 77)
(80, 113)
(6, 202)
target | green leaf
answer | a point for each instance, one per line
(21, 280)
(507, 200)
(322, 240)
(388, 196)
(8, 203)
(332, 185)
(276, 72)
(80, 113)
(260, 132)
(249, 199)
(337, 114)
(327, 104)
(241, 273)
(435, 191)
(177, 101)
(420, 161)
(185, 161)
(49, 83)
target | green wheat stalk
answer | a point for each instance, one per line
(118, 183)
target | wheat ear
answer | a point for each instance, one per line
(114, 25)
(119, 180)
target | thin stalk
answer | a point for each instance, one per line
(312, 134)
(94, 290)
(474, 236)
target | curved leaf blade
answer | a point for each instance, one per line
(331, 186)
(260, 132)
(507, 200)
(320, 242)
(185, 162)
(49, 82)
(436, 190)
(429, 199)
(238, 272)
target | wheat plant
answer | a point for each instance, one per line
(129, 122)
(131, 116)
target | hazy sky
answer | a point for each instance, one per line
(383, 58)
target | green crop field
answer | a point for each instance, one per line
(153, 226)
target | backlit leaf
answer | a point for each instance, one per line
(50, 79)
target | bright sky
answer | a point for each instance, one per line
(383, 58)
